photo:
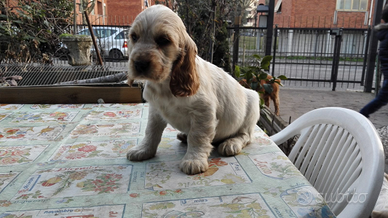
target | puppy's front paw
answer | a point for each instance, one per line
(138, 154)
(230, 147)
(194, 166)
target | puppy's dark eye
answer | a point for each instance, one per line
(134, 37)
(162, 41)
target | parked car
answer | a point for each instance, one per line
(112, 41)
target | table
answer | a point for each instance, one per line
(70, 161)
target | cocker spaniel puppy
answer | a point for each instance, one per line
(194, 96)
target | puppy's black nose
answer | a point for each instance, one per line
(141, 66)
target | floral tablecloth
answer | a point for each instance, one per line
(70, 161)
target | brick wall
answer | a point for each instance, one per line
(316, 13)
(123, 12)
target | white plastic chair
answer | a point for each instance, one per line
(341, 154)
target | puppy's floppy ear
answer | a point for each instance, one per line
(184, 78)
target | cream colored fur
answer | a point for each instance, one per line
(218, 110)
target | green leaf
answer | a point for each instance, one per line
(282, 77)
(252, 67)
(245, 70)
(237, 71)
(256, 56)
(254, 85)
(267, 58)
(278, 83)
(248, 77)
(263, 76)
(268, 88)
(266, 62)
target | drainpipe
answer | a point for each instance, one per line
(75, 16)
(103, 11)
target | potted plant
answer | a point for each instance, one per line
(252, 76)
(79, 49)
(255, 77)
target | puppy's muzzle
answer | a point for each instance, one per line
(141, 66)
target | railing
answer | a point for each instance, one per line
(307, 55)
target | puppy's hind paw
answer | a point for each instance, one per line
(194, 166)
(138, 154)
(230, 147)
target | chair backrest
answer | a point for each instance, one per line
(340, 152)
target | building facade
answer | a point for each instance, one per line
(124, 12)
(323, 14)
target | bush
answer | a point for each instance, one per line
(198, 18)
(29, 30)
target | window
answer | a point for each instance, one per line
(99, 8)
(352, 5)
(103, 33)
(278, 6)
(99, 33)
(122, 35)
(84, 32)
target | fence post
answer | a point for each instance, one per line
(236, 40)
(364, 66)
(270, 19)
(373, 47)
(336, 55)
(274, 50)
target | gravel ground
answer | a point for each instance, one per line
(383, 131)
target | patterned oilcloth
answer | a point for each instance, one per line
(70, 161)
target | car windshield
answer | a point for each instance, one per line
(99, 33)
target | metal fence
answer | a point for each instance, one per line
(327, 58)
(309, 57)
(48, 75)
(111, 40)
(250, 41)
